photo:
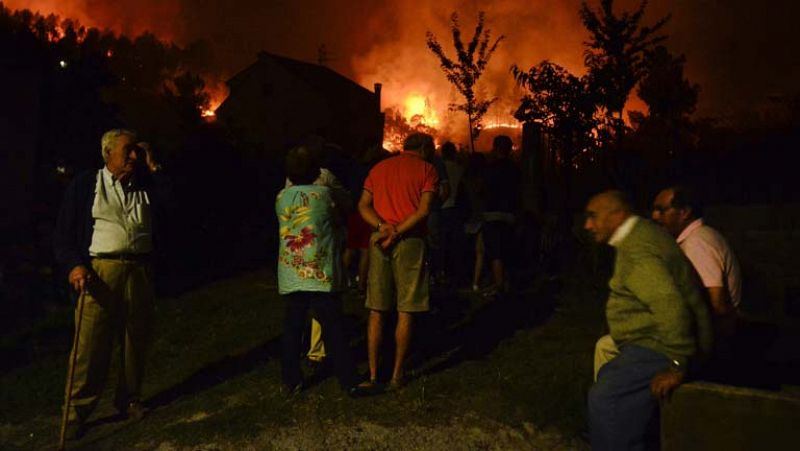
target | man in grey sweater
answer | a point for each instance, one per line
(656, 317)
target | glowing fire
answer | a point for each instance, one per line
(418, 114)
(418, 111)
(415, 115)
(55, 35)
(217, 91)
(492, 125)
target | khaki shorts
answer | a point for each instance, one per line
(399, 272)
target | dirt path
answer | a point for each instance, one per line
(463, 433)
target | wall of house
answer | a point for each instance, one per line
(270, 108)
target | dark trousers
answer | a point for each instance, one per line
(452, 240)
(327, 309)
(620, 404)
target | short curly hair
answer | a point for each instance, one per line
(110, 138)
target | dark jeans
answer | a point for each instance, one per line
(328, 311)
(498, 240)
(620, 404)
(452, 241)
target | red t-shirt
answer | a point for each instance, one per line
(397, 184)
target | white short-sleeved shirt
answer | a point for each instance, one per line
(712, 258)
(122, 218)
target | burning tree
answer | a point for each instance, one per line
(397, 127)
(466, 69)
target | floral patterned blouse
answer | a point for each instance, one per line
(309, 248)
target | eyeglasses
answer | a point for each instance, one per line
(661, 209)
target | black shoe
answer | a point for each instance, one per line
(136, 410)
(74, 430)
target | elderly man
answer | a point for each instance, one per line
(396, 200)
(105, 237)
(677, 209)
(654, 309)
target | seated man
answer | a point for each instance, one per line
(653, 307)
(678, 211)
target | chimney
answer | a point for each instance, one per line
(378, 88)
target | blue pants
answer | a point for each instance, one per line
(620, 404)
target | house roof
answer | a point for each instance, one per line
(325, 81)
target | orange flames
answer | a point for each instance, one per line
(217, 91)
(394, 53)
(417, 111)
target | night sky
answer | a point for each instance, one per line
(739, 51)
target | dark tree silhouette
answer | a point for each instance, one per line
(564, 109)
(614, 54)
(667, 133)
(188, 96)
(466, 69)
(667, 93)
(561, 104)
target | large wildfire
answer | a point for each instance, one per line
(388, 47)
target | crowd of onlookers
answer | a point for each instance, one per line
(391, 227)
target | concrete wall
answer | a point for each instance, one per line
(708, 417)
(766, 239)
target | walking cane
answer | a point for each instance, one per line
(71, 370)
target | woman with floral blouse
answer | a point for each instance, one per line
(309, 273)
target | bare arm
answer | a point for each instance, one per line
(444, 191)
(367, 210)
(723, 312)
(720, 301)
(371, 217)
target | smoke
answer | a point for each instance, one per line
(403, 63)
(738, 52)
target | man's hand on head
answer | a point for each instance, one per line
(149, 157)
(664, 382)
(79, 278)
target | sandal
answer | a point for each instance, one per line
(396, 384)
(367, 388)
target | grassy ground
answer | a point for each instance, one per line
(486, 375)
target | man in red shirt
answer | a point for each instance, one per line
(396, 201)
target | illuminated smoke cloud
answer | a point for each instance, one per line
(738, 53)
